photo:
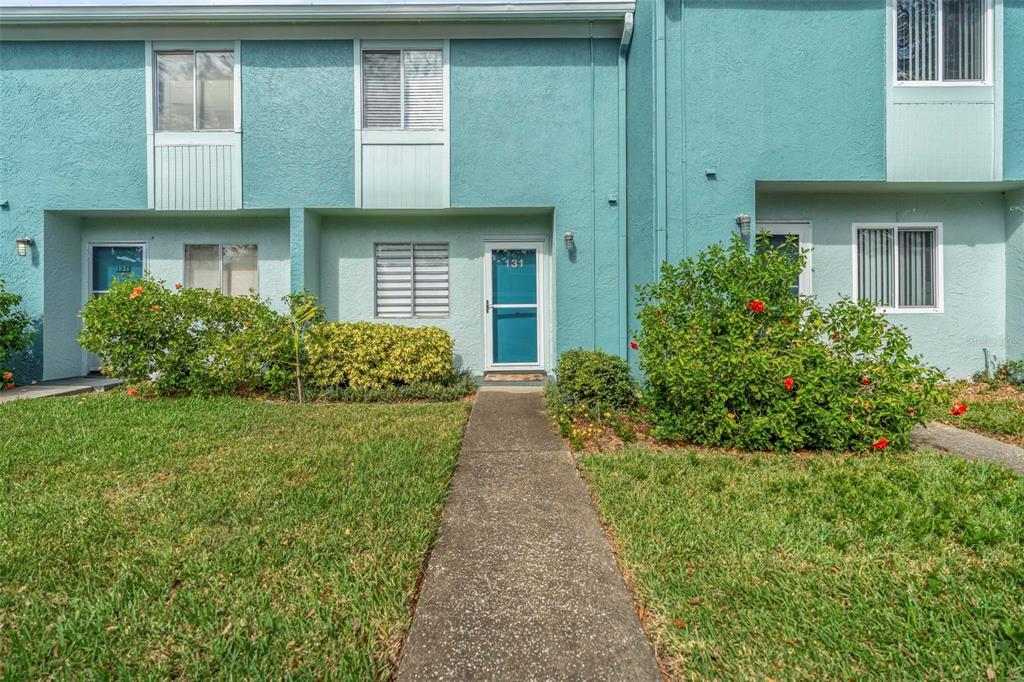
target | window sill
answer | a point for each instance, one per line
(910, 311)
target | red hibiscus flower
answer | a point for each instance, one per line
(911, 411)
(9, 386)
(634, 345)
(177, 285)
(866, 381)
(958, 409)
(7, 376)
(788, 383)
(757, 306)
(132, 392)
(880, 444)
(136, 292)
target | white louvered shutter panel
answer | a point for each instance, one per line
(393, 286)
(430, 281)
(423, 84)
(382, 89)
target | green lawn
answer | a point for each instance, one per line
(227, 538)
(830, 567)
(1002, 418)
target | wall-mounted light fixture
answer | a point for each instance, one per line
(570, 241)
(743, 222)
(23, 244)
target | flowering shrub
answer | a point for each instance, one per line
(732, 358)
(15, 335)
(186, 341)
(371, 355)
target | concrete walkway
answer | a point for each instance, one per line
(522, 583)
(969, 445)
(57, 387)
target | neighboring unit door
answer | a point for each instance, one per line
(107, 264)
(514, 316)
(782, 234)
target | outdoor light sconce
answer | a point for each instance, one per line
(23, 244)
(743, 221)
(570, 241)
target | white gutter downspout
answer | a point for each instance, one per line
(624, 43)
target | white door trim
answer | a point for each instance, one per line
(802, 229)
(541, 304)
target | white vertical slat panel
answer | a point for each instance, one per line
(422, 90)
(195, 177)
(382, 88)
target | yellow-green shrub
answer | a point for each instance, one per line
(376, 355)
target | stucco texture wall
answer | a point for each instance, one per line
(781, 90)
(73, 122)
(297, 123)
(1015, 275)
(1013, 89)
(973, 264)
(534, 123)
(347, 273)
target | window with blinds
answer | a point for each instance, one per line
(941, 40)
(897, 266)
(411, 280)
(229, 268)
(403, 89)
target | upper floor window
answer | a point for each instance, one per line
(942, 41)
(195, 90)
(403, 89)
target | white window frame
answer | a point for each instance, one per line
(413, 315)
(155, 48)
(372, 136)
(894, 50)
(803, 229)
(220, 261)
(895, 227)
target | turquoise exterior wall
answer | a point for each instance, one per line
(1013, 87)
(974, 258)
(547, 137)
(346, 264)
(1015, 275)
(74, 131)
(787, 90)
(297, 121)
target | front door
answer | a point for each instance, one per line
(108, 263)
(513, 311)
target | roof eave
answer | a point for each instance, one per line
(314, 13)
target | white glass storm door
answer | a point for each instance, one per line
(782, 238)
(109, 263)
(513, 306)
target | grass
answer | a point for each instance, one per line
(896, 566)
(996, 411)
(215, 538)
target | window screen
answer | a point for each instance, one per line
(228, 268)
(195, 90)
(403, 89)
(896, 267)
(941, 40)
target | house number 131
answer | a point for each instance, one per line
(513, 262)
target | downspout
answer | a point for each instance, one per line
(624, 43)
(660, 151)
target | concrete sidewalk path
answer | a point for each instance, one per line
(522, 583)
(969, 445)
(59, 387)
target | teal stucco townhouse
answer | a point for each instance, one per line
(512, 171)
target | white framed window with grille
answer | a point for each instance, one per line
(898, 266)
(402, 88)
(232, 269)
(941, 42)
(410, 280)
